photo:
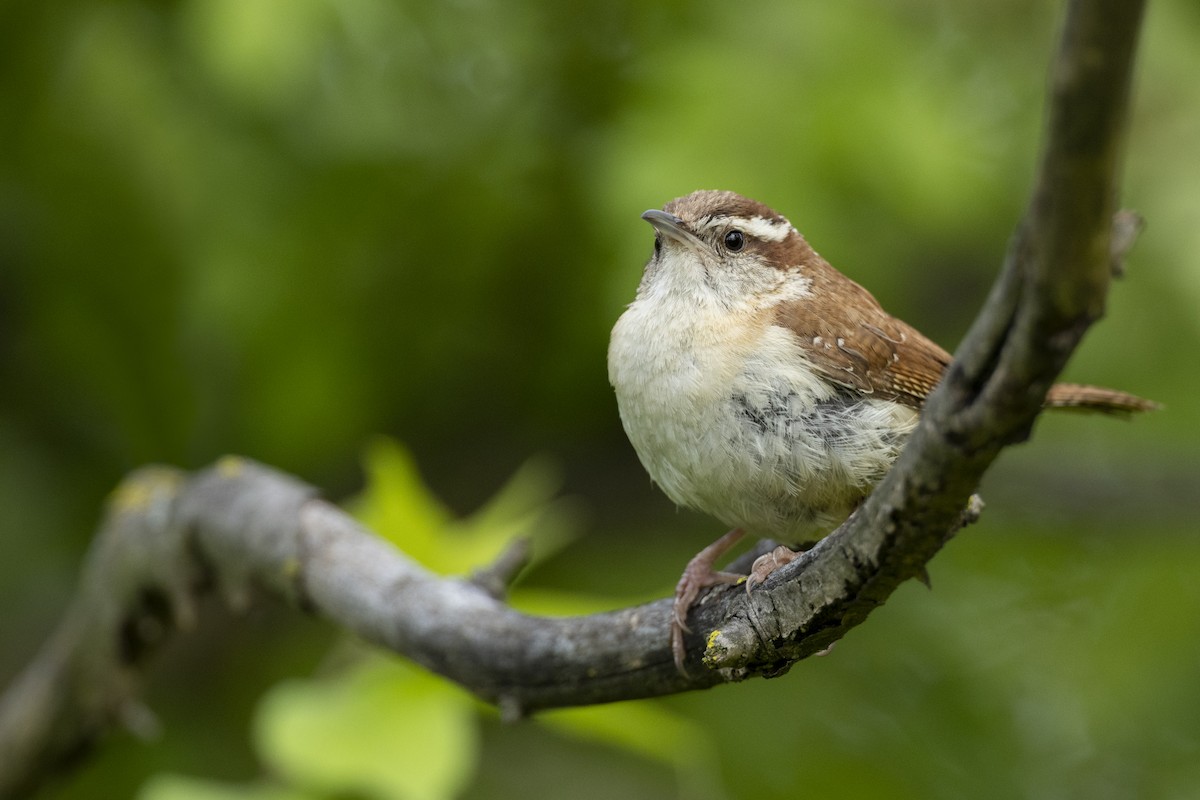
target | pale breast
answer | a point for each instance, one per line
(736, 423)
(671, 376)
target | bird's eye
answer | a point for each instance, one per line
(734, 241)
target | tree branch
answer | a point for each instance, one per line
(168, 537)
(1051, 288)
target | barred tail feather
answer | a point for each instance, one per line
(1095, 398)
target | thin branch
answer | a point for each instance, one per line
(239, 527)
(497, 576)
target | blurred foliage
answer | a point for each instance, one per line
(282, 227)
(398, 507)
(341, 737)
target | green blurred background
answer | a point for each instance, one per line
(280, 227)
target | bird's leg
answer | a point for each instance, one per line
(698, 575)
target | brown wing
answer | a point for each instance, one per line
(855, 343)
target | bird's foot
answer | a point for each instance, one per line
(697, 576)
(765, 564)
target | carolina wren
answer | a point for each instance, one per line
(763, 387)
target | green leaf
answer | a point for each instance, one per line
(386, 730)
(399, 507)
(179, 787)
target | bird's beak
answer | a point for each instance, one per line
(671, 226)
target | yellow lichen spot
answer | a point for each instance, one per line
(230, 466)
(131, 495)
(712, 638)
(137, 491)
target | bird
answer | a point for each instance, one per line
(761, 386)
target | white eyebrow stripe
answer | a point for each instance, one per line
(768, 230)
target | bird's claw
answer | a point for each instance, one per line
(697, 576)
(767, 563)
